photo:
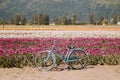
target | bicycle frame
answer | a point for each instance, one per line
(65, 59)
(53, 54)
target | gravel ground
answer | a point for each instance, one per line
(61, 34)
(90, 73)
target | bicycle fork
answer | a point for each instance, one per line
(53, 57)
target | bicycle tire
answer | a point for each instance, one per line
(78, 59)
(41, 63)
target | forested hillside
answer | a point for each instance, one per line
(55, 8)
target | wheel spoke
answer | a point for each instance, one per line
(44, 61)
(79, 59)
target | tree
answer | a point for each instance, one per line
(23, 20)
(34, 19)
(0, 21)
(17, 19)
(45, 19)
(91, 19)
(118, 18)
(114, 20)
(12, 20)
(73, 19)
(39, 19)
(101, 19)
(57, 21)
(69, 21)
(63, 20)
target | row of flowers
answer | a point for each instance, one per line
(18, 52)
(9, 46)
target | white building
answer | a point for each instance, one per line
(118, 23)
(52, 24)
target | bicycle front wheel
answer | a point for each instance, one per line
(45, 60)
(78, 59)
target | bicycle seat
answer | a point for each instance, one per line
(71, 47)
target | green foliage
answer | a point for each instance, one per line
(23, 20)
(1, 22)
(91, 19)
(55, 8)
(45, 18)
(116, 19)
(12, 20)
(41, 19)
(17, 60)
(63, 20)
(18, 20)
(104, 59)
(73, 19)
(102, 21)
(21, 60)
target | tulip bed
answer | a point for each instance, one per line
(20, 52)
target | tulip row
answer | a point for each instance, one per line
(17, 48)
(9, 46)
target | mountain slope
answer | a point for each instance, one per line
(55, 8)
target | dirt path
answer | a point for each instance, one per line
(90, 73)
(62, 27)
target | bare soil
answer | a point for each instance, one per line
(62, 31)
(61, 27)
(90, 73)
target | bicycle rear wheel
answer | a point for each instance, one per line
(78, 59)
(45, 61)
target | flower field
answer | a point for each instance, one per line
(19, 52)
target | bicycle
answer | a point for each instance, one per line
(75, 58)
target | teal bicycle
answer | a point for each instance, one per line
(75, 58)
